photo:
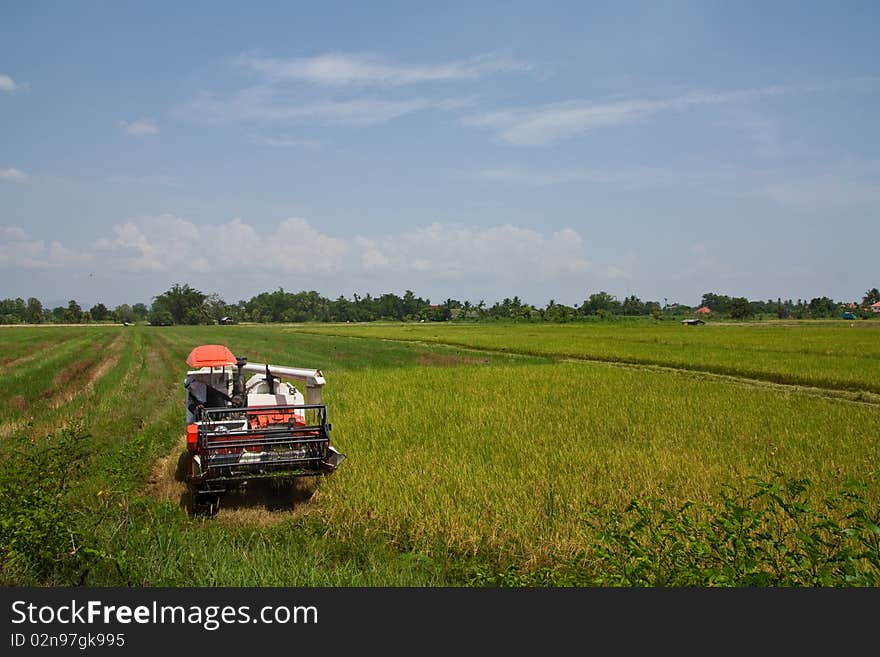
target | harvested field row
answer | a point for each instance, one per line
(36, 376)
(74, 381)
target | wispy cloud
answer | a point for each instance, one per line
(761, 135)
(554, 122)
(140, 128)
(284, 141)
(716, 178)
(341, 69)
(154, 179)
(264, 104)
(357, 90)
(543, 178)
(8, 84)
(557, 121)
(14, 176)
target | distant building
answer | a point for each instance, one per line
(875, 307)
(704, 310)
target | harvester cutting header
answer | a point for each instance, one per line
(238, 430)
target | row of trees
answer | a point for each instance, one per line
(816, 308)
(182, 304)
(19, 311)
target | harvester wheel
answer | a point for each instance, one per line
(207, 503)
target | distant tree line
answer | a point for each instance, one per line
(32, 311)
(183, 304)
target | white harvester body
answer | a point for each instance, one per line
(263, 427)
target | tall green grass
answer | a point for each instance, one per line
(509, 459)
(463, 468)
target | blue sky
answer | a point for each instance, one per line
(473, 150)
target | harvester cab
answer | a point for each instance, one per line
(240, 430)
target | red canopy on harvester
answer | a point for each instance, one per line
(210, 355)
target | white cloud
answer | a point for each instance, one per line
(458, 251)
(280, 91)
(170, 245)
(553, 122)
(154, 244)
(263, 104)
(8, 84)
(17, 250)
(340, 69)
(284, 141)
(545, 177)
(14, 176)
(162, 180)
(715, 178)
(296, 247)
(140, 128)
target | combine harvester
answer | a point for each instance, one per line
(239, 431)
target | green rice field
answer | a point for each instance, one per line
(481, 454)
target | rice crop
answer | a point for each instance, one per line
(465, 464)
(834, 355)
